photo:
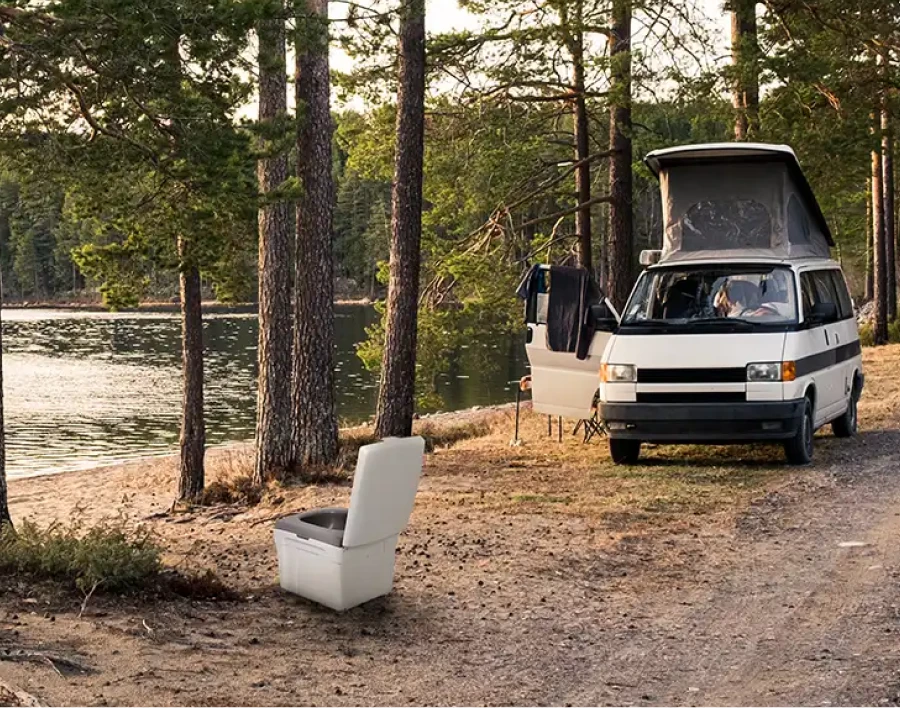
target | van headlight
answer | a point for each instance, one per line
(769, 371)
(618, 373)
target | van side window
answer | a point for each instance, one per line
(808, 293)
(845, 303)
(823, 284)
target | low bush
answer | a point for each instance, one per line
(109, 556)
(867, 335)
(448, 434)
(239, 490)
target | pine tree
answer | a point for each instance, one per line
(315, 420)
(620, 235)
(273, 404)
(396, 396)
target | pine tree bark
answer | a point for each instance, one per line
(745, 61)
(619, 236)
(879, 250)
(869, 287)
(312, 388)
(396, 396)
(582, 136)
(193, 433)
(273, 403)
(5, 517)
(887, 158)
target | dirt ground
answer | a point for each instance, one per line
(538, 574)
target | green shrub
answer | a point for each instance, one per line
(867, 334)
(108, 556)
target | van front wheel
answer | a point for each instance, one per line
(799, 449)
(624, 452)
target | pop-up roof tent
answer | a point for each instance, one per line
(751, 198)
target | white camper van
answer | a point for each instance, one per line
(741, 329)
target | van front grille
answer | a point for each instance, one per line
(693, 397)
(706, 375)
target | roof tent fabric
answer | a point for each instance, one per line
(737, 197)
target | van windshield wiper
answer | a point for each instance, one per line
(731, 321)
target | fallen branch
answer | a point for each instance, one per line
(39, 657)
(15, 696)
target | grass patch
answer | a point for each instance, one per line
(540, 499)
(436, 435)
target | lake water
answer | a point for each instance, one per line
(84, 389)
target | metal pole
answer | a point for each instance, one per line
(518, 398)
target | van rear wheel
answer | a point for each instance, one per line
(624, 452)
(799, 449)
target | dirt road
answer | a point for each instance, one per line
(800, 605)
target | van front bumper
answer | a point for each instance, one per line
(722, 423)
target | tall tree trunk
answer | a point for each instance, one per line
(582, 146)
(396, 396)
(879, 250)
(869, 288)
(745, 60)
(5, 517)
(887, 156)
(193, 433)
(273, 402)
(312, 391)
(619, 237)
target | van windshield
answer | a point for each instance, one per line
(764, 295)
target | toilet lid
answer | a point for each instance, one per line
(384, 490)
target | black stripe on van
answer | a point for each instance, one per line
(831, 357)
(715, 375)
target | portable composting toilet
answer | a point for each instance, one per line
(341, 558)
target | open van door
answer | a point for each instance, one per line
(568, 330)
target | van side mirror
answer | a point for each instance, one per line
(603, 319)
(823, 312)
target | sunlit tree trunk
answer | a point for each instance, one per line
(396, 397)
(887, 156)
(5, 517)
(273, 414)
(879, 250)
(619, 237)
(315, 434)
(582, 137)
(745, 60)
(869, 288)
(193, 433)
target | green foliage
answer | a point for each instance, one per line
(867, 334)
(111, 556)
(157, 156)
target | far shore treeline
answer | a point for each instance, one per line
(429, 177)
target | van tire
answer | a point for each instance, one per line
(799, 449)
(845, 426)
(624, 452)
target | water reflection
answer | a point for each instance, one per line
(83, 389)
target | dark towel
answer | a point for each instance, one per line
(570, 327)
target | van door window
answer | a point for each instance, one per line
(845, 304)
(808, 294)
(818, 287)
